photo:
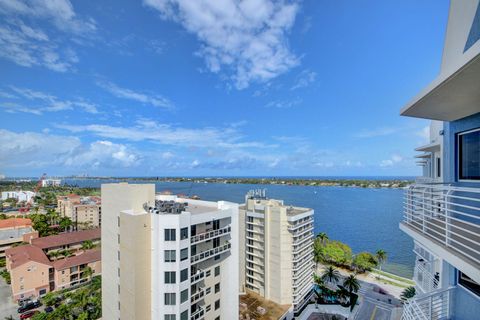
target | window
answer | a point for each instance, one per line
(183, 233)
(216, 242)
(468, 283)
(217, 304)
(469, 155)
(170, 235)
(184, 296)
(170, 299)
(208, 273)
(217, 287)
(217, 271)
(217, 318)
(170, 277)
(216, 224)
(208, 290)
(184, 254)
(184, 315)
(184, 275)
(439, 168)
(170, 256)
(169, 317)
(208, 308)
(193, 230)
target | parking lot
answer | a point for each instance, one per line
(7, 307)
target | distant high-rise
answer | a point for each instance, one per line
(167, 257)
(276, 250)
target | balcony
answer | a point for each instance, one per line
(210, 235)
(297, 225)
(425, 280)
(429, 307)
(447, 215)
(198, 295)
(198, 314)
(197, 277)
(210, 253)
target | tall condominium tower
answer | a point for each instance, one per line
(166, 257)
(276, 250)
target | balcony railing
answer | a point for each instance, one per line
(424, 279)
(198, 314)
(447, 214)
(197, 277)
(210, 235)
(198, 295)
(435, 306)
(210, 253)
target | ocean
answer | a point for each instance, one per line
(364, 218)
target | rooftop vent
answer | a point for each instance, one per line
(257, 194)
(166, 207)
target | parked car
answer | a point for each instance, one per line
(29, 306)
(29, 314)
(49, 309)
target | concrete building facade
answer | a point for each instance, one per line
(174, 258)
(14, 231)
(276, 250)
(85, 212)
(442, 214)
(20, 196)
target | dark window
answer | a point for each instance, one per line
(217, 287)
(193, 249)
(217, 271)
(170, 235)
(184, 315)
(170, 277)
(216, 224)
(170, 256)
(170, 299)
(184, 254)
(183, 233)
(216, 242)
(208, 308)
(184, 296)
(169, 317)
(468, 283)
(217, 304)
(208, 290)
(439, 168)
(193, 230)
(184, 275)
(207, 274)
(217, 318)
(469, 155)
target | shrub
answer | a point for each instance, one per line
(337, 253)
(364, 261)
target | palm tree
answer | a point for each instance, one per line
(408, 293)
(87, 245)
(330, 275)
(54, 254)
(351, 283)
(87, 273)
(381, 256)
(322, 236)
(318, 280)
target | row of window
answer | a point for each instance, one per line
(171, 234)
(170, 276)
(171, 255)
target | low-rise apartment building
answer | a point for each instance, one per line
(51, 182)
(35, 271)
(85, 212)
(442, 209)
(14, 231)
(166, 257)
(20, 196)
(276, 250)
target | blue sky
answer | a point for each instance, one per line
(177, 87)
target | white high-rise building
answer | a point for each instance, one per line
(169, 258)
(276, 250)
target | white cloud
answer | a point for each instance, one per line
(43, 102)
(101, 154)
(284, 104)
(151, 99)
(394, 159)
(304, 79)
(245, 39)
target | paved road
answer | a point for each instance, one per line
(374, 305)
(7, 307)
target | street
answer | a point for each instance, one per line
(7, 307)
(374, 305)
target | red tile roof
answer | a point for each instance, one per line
(15, 222)
(23, 254)
(82, 258)
(66, 238)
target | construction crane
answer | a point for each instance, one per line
(26, 209)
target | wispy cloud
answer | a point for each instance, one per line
(19, 100)
(246, 40)
(284, 104)
(394, 159)
(304, 79)
(142, 97)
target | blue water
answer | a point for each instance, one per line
(365, 219)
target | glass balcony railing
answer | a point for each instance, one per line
(210, 253)
(197, 276)
(210, 235)
(198, 314)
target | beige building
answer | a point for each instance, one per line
(14, 231)
(276, 255)
(166, 257)
(35, 271)
(85, 212)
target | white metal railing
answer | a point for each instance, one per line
(448, 214)
(434, 306)
(210, 253)
(294, 226)
(197, 276)
(424, 279)
(210, 235)
(198, 295)
(302, 232)
(197, 314)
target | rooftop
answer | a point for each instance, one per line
(14, 233)
(23, 254)
(252, 304)
(66, 238)
(82, 258)
(15, 223)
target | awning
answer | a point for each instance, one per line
(429, 147)
(452, 96)
(424, 155)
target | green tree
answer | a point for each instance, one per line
(87, 245)
(337, 253)
(322, 237)
(351, 283)
(364, 261)
(65, 223)
(330, 275)
(87, 273)
(408, 293)
(49, 299)
(381, 256)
